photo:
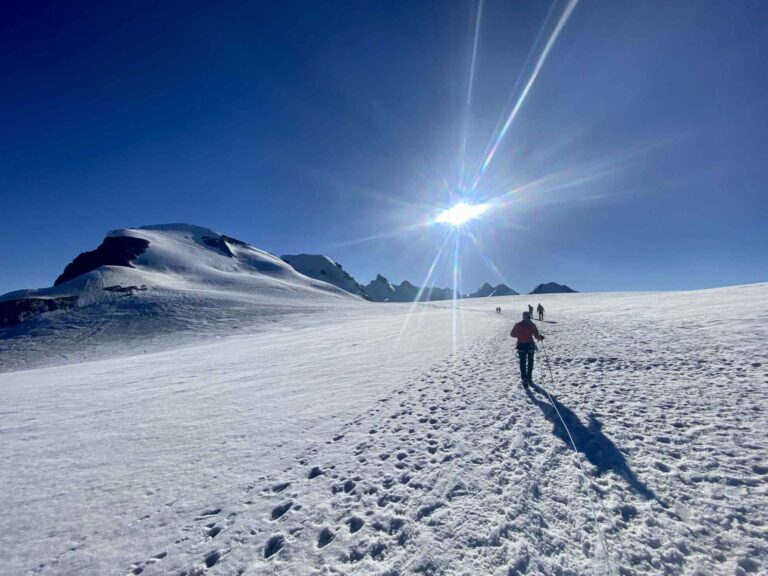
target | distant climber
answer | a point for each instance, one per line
(530, 310)
(525, 331)
(540, 310)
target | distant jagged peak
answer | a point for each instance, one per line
(504, 290)
(552, 288)
(487, 290)
(380, 289)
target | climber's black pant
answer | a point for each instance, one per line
(526, 351)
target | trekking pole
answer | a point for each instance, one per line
(549, 366)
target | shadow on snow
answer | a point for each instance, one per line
(589, 440)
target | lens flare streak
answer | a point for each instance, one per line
(456, 273)
(487, 259)
(474, 52)
(521, 100)
(420, 293)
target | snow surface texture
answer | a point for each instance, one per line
(350, 444)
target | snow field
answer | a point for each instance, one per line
(334, 449)
(106, 459)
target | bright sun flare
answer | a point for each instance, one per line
(460, 213)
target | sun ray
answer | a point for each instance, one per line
(456, 273)
(393, 234)
(470, 86)
(430, 272)
(526, 89)
(472, 64)
(486, 259)
(575, 176)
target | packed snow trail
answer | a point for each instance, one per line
(462, 471)
(339, 443)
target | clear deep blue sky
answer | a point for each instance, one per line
(306, 126)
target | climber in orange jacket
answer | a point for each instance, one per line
(525, 331)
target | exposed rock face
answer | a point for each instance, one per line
(113, 251)
(125, 290)
(222, 243)
(552, 288)
(13, 312)
(488, 290)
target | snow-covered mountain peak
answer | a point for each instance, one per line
(179, 227)
(177, 256)
(323, 268)
(199, 253)
(171, 274)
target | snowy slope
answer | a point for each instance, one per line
(189, 283)
(326, 270)
(392, 445)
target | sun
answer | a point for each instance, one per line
(461, 213)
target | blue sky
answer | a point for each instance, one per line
(637, 160)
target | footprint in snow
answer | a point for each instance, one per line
(212, 558)
(279, 511)
(325, 537)
(280, 487)
(274, 545)
(355, 524)
(209, 512)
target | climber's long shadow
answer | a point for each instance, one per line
(589, 440)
